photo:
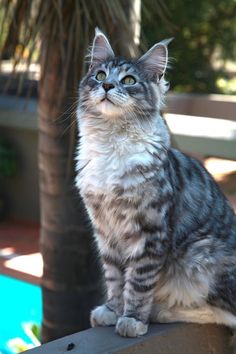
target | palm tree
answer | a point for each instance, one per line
(71, 280)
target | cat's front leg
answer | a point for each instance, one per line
(141, 280)
(108, 313)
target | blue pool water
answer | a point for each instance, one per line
(19, 302)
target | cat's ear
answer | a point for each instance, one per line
(101, 48)
(155, 60)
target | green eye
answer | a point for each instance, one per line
(101, 75)
(128, 80)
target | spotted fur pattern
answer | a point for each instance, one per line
(165, 232)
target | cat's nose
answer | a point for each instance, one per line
(107, 86)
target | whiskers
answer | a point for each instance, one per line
(71, 110)
(68, 115)
(71, 115)
(141, 124)
(139, 118)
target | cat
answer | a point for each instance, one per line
(165, 232)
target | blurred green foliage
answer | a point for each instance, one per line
(33, 331)
(202, 30)
(8, 164)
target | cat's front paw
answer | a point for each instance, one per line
(130, 327)
(102, 316)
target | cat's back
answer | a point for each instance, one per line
(200, 207)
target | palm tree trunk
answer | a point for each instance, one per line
(70, 281)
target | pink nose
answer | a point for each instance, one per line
(107, 86)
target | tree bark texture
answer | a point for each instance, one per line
(71, 279)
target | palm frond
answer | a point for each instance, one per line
(71, 24)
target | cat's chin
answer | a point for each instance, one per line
(108, 108)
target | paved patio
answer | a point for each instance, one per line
(19, 250)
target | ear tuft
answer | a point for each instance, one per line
(155, 60)
(167, 41)
(101, 48)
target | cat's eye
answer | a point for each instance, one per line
(101, 75)
(128, 80)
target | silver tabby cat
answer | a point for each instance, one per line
(165, 232)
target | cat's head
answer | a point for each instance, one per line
(114, 86)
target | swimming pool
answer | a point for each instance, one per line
(19, 302)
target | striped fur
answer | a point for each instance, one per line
(165, 232)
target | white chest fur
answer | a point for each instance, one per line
(104, 161)
(105, 156)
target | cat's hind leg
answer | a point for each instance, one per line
(204, 314)
(223, 297)
(163, 314)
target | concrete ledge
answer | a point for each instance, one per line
(203, 136)
(18, 112)
(216, 106)
(161, 339)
